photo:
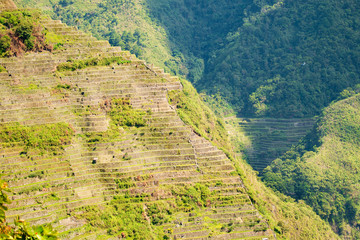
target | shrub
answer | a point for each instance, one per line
(2, 69)
(73, 65)
(20, 33)
(49, 137)
(5, 42)
(122, 113)
(24, 30)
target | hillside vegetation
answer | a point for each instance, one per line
(323, 170)
(283, 213)
(103, 145)
(266, 58)
(290, 60)
(20, 229)
(164, 32)
(123, 23)
(19, 33)
(90, 144)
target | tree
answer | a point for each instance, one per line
(21, 229)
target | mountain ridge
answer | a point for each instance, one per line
(126, 169)
(112, 155)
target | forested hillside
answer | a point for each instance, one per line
(123, 23)
(323, 170)
(197, 28)
(267, 58)
(178, 35)
(290, 60)
(103, 146)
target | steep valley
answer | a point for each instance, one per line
(103, 145)
(152, 160)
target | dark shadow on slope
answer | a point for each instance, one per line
(290, 62)
(272, 137)
(197, 28)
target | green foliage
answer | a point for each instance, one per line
(20, 33)
(218, 104)
(122, 113)
(303, 44)
(24, 30)
(261, 96)
(120, 215)
(160, 31)
(49, 137)
(197, 29)
(65, 3)
(21, 230)
(133, 42)
(124, 183)
(5, 42)
(63, 86)
(126, 220)
(4, 199)
(2, 69)
(55, 40)
(239, 48)
(323, 169)
(72, 13)
(100, 137)
(72, 65)
(348, 92)
(193, 111)
(141, 216)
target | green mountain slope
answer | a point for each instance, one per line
(323, 170)
(197, 28)
(290, 60)
(161, 32)
(102, 145)
(266, 58)
(91, 144)
(122, 23)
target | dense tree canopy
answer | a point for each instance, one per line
(290, 60)
(324, 168)
(266, 58)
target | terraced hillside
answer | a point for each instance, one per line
(269, 138)
(88, 127)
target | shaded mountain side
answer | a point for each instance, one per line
(267, 58)
(291, 60)
(266, 139)
(197, 28)
(90, 143)
(323, 169)
(162, 32)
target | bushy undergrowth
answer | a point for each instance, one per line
(141, 216)
(73, 65)
(323, 169)
(48, 137)
(194, 112)
(19, 33)
(122, 113)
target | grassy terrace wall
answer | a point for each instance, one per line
(120, 162)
